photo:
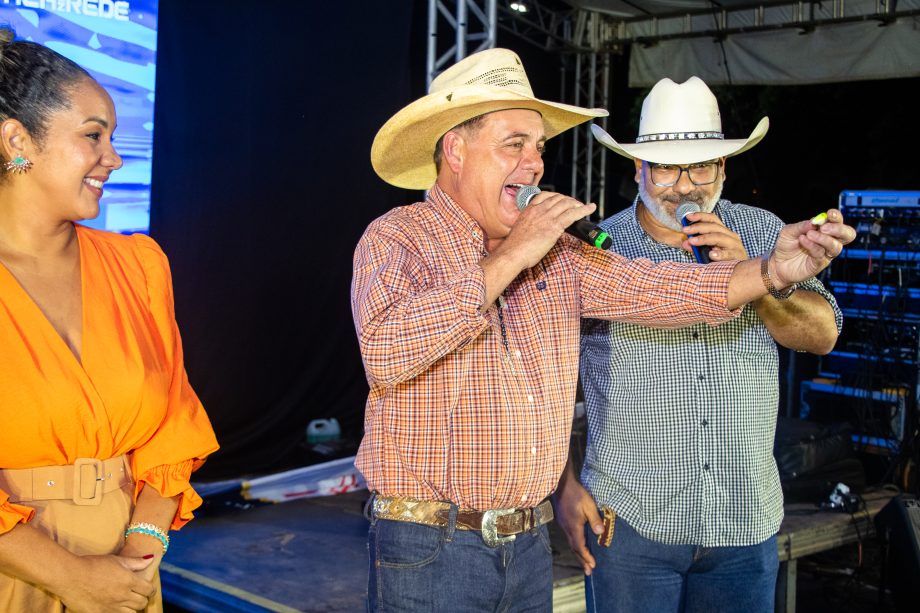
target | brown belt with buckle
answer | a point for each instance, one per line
(84, 481)
(497, 525)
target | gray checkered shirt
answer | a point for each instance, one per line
(681, 422)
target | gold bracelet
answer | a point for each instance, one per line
(768, 282)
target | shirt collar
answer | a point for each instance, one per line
(455, 215)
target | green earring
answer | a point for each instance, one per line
(18, 164)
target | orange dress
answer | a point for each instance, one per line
(128, 394)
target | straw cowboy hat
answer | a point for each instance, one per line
(680, 124)
(491, 80)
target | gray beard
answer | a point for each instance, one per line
(665, 216)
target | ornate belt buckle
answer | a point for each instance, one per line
(490, 530)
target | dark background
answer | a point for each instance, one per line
(262, 186)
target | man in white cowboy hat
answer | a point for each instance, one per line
(468, 312)
(681, 422)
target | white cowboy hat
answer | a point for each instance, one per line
(491, 80)
(680, 124)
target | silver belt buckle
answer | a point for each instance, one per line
(490, 530)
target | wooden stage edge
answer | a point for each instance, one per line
(310, 555)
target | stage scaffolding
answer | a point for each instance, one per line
(459, 28)
(587, 32)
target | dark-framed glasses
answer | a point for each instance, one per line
(701, 173)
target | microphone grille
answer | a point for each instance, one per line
(685, 208)
(525, 194)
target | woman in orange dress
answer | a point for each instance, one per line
(100, 428)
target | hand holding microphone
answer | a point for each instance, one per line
(583, 229)
(723, 244)
(701, 252)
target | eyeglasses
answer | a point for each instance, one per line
(703, 173)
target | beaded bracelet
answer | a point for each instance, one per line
(149, 530)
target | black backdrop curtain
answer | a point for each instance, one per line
(262, 185)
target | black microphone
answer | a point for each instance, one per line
(582, 229)
(701, 253)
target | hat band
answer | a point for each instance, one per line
(648, 138)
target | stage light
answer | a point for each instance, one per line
(520, 7)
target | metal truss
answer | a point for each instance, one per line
(546, 28)
(573, 32)
(471, 26)
(589, 158)
(721, 21)
(589, 36)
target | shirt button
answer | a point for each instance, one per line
(700, 377)
(530, 398)
(696, 335)
(517, 353)
(706, 466)
(533, 450)
(704, 422)
(524, 498)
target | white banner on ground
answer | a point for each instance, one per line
(326, 479)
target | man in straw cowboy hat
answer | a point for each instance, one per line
(468, 312)
(681, 421)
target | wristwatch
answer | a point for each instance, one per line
(768, 282)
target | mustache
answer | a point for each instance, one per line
(694, 196)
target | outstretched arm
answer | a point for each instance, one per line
(802, 251)
(804, 322)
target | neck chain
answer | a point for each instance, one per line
(500, 306)
(501, 324)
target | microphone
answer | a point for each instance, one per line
(701, 253)
(582, 229)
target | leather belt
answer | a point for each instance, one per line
(85, 481)
(497, 525)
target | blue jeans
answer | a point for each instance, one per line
(424, 569)
(636, 574)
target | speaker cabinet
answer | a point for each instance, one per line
(898, 524)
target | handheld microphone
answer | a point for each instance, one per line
(581, 229)
(701, 253)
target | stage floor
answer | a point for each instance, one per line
(304, 555)
(311, 555)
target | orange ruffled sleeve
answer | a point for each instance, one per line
(185, 437)
(12, 514)
(173, 480)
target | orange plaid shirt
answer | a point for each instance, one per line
(453, 412)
